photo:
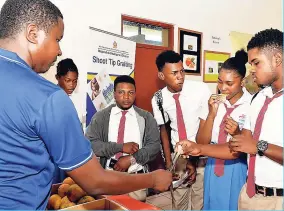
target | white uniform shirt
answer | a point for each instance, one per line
(131, 131)
(268, 173)
(239, 114)
(79, 105)
(194, 105)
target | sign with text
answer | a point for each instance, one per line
(108, 56)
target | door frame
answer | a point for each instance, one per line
(168, 26)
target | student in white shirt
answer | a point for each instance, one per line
(265, 51)
(223, 179)
(128, 144)
(193, 100)
(264, 188)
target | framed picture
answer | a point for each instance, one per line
(211, 65)
(190, 43)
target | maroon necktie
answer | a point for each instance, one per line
(222, 138)
(256, 134)
(120, 135)
(180, 122)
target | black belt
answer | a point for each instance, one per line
(265, 191)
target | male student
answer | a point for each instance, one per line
(124, 136)
(262, 135)
(39, 124)
(185, 104)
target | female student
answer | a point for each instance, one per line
(67, 77)
(223, 179)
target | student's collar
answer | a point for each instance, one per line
(268, 92)
(246, 97)
(13, 57)
(116, 110)
(171, 93)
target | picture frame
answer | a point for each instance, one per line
(212, 63)
(190, 44)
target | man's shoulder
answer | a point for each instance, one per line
(103, 112)
(32, 89)
(161, 91)
(29, 80)
(142, 112)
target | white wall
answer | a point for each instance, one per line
(212, 17)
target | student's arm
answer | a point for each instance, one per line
(95, 180)
(149, 150)
(94, 134)
(245, 143)
(274, 153)
(166, 145)
(100, 145)
(220, 151)
(205, 130)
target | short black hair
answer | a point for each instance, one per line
(66, 65)
(237, 63)
(168, 56)
(124, 79)
(17, 14)
(269, 38)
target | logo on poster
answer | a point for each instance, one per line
(114, 45)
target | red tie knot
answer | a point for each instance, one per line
(124, 113)
(176, 96)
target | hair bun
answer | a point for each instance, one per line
(241, 57)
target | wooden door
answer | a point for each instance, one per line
(146, 75)
(146, 72)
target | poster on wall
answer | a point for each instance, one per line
(109, 55)
(240, 40)
(211, 65)
(190, 50)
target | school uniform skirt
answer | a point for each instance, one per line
(222, 193)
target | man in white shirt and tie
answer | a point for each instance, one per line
(262, 138)
(123, 136)
(185, 105)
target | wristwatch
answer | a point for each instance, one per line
(132, 160)
(261, 147)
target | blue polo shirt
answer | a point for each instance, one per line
(39, 128)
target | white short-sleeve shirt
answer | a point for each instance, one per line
(194, 105)
(239, 114)
(268, 173)
(80, 108)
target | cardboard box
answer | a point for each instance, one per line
(101, 204)
(108, 202)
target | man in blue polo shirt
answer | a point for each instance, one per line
(38, 122)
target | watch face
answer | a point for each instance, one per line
(262, 146)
